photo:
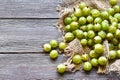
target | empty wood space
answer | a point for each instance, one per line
(26, 35)
(25, 25)
(28, 8)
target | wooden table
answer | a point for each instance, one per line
(25, 25)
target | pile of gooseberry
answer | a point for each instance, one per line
(91, 26)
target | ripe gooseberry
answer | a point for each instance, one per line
(77, 59)
(62, 45)
(99, 48)
(87, 66)
(61, 68)
(102, 60)
(85, 57)
(53, 54)
(54, 43)
(112, 54)
(94, 62)
(47, 47)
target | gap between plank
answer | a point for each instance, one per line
(23, 53)
(30, 18)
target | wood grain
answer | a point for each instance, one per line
(26, 35)
(28, 8)
(40, 66)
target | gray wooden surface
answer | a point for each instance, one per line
(25, 25)
(28, 8)
(26, 35)
(40, 67)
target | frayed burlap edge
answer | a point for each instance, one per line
(114, 67)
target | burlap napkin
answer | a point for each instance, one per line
(75, 47)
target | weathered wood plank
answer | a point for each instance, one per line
(28, 8)
(40, 66)
(26, 35)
